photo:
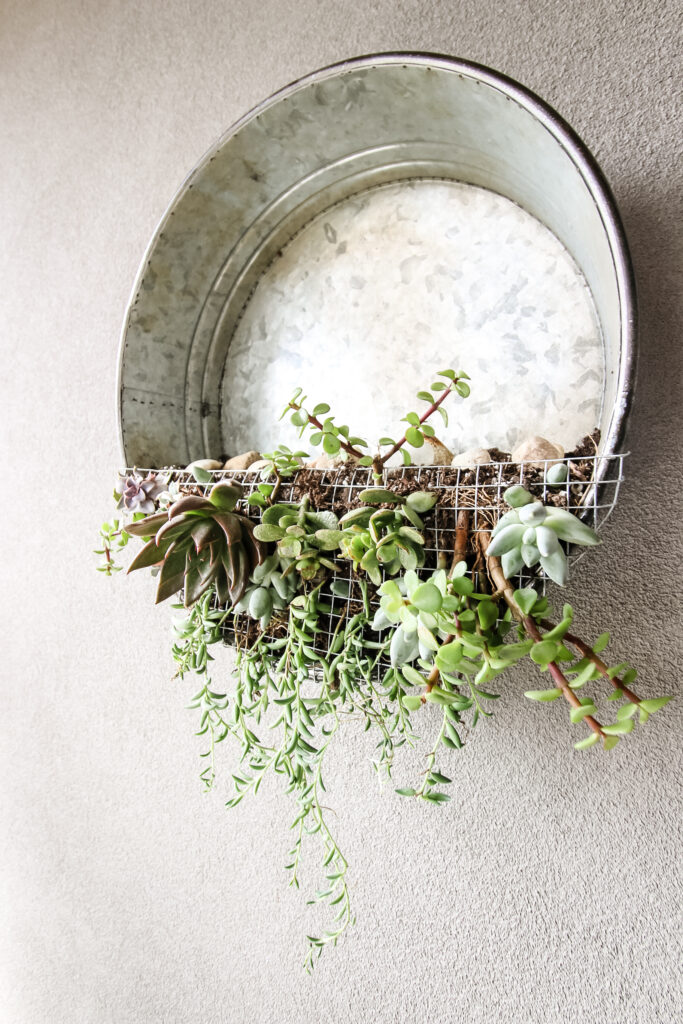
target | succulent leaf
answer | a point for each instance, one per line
(225, 496)
(147, 527)
(517, 496)
(555, 566)
(532, 514)
(546, 541)
(569, 528)
(512, 562)
(381, 496)
(150, 555)
(510, 537)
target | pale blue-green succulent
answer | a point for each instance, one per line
(530, 533)
(270, 589)
(422, 610)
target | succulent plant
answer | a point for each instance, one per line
(425, 613)
(302, 536)
(386, 539)
(417, 608)
(531, 533)
(200, 542)
(270, 590)
(557, 475)
(138, 494)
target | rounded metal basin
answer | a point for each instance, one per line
(372, 122)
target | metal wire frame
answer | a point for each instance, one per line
(479, 490)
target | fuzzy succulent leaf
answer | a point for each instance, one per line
(512, 562)
(404, 647)
(532, 514)
(381, 496)
(547, 541)
(555, 566)
(507, 519)
(509, 538)
(569, 528)
(517, 496)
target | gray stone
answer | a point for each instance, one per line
(330, 461)
(536, 450)
(243, 461)
(204, 464)
(472, 457)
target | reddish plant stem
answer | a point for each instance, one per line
(315, 422)
(462, 529)
(379, 461)
(502, 584)
(433, 677)
(559, 677)
(583, 648)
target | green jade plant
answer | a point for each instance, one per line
(386, 539)
(415, 637)
(337, 440)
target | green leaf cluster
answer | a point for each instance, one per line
(272, 588)
(303, 536)
(384, 541)
(282, 462)
(334, 438)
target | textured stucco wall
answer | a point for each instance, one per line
(549, 890)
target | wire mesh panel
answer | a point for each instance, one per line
(469, 500)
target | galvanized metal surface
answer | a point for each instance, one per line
(378, 293)
(341, 131)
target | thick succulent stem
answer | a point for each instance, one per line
(583, 648)
(504, 587)
(380, 461)
(272, 497)
(462, 529)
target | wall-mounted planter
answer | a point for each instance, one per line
(365, 226)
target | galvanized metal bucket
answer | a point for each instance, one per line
(336, 133)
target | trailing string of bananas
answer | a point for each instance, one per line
(426, 645)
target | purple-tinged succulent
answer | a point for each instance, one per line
(138, 494)
(200, 542)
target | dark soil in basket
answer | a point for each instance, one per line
(337, 488)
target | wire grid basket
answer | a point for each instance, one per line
(478, 490)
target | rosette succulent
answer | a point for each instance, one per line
(138, 494)
(302, 536)
(270, 590)
(386, 539)
(531, 533)
(199, 542)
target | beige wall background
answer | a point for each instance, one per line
(549, 889)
